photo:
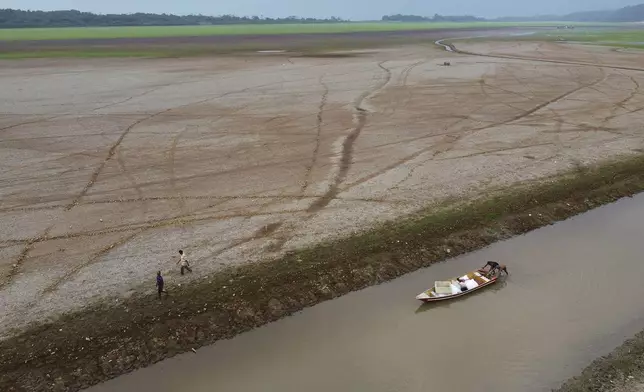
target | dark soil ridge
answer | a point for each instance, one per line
(106, 340)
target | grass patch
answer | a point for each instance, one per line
(63, 33)
(87, 347)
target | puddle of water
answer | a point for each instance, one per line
(574, 293)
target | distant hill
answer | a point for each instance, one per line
(11, 18)
(633, 13)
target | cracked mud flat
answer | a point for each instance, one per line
(110, 167)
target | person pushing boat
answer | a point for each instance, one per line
(494, 268)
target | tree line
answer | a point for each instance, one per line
(435, 18)
(11, 18)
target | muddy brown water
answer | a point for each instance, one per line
(574, 293)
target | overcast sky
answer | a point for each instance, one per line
(350, 9)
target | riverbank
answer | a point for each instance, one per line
(101, 342)
(620, 371)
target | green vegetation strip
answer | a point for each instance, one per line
(66, 33)
(110, 339)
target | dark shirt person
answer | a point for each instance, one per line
(160, 284)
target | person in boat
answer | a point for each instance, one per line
(495, 268)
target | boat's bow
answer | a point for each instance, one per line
(423, 296)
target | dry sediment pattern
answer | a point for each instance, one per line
(111, 166)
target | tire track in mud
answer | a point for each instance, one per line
(543, 105)
(165, 198)
(497, 151)
(114, 245)
(455, 138)
(41, 120)
(360, 118)
(557, 118)
(451, 137)
(622, 104)
(556, 132)
(450, 140)
(150, 91)
(346, 156)
(402, 81)
(137, 231)
(131, 179)
(179, 220)
(28, 247)
(76, 269)
(263, 232)
(110, 155)
(442, 147)
(405, 78)
(116, 145)
(319, 124)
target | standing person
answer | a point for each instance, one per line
(160, 285)
(183, 261)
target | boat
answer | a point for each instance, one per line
(450, 289)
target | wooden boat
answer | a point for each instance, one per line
(449, 289)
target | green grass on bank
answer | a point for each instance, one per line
(268, 29)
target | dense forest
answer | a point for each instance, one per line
(10, 18)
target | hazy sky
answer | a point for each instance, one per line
(351, 9)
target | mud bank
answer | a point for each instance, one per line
(85, 348)
(620, 371)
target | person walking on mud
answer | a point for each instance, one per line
(160, 285)
(183, 261)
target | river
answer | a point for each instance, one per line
(574, 293)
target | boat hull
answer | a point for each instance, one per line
(426, 296)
